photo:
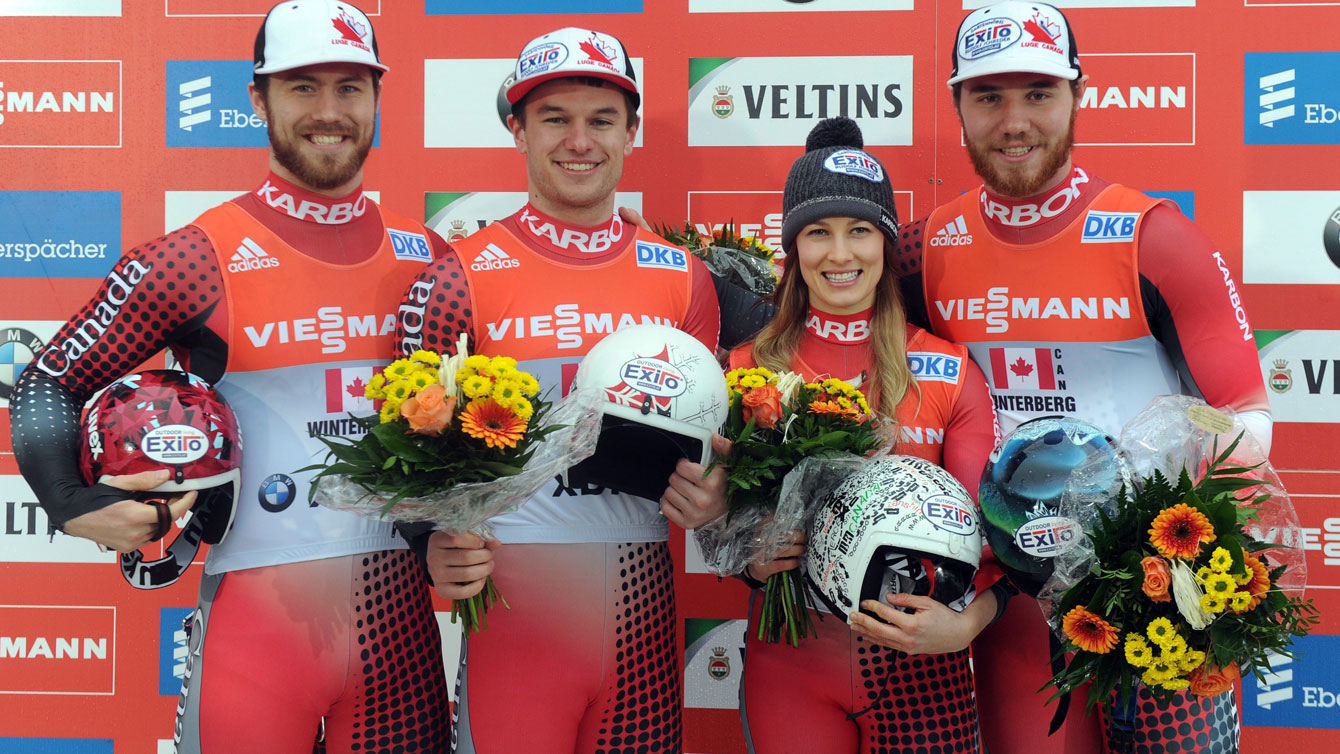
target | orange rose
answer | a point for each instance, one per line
(427, 412)
(764, 405)
(1157, 579)
(1210, 681)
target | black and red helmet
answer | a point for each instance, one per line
(167, 419)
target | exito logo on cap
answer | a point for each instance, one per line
(541, 58)
(989, 36)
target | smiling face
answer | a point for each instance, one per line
(575, 137)
(320, 120)
(841, 260)
(1019, 128)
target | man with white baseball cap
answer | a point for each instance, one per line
(311, 623)
(1036, 242)
(587, 658)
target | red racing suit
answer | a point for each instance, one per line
(839, 692)
(1089, 301)
(587, 658)
(281, 298)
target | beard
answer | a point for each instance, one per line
(320, 172)
(1018, 183)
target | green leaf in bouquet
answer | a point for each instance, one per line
(393, 437)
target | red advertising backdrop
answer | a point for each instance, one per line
(120, 119)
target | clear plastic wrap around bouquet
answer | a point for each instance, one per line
(789, 441)
(455, 442)
(741, 260)
(1191, 578)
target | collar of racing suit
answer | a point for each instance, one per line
(299, 203)
(1003, 213)
(843, 329)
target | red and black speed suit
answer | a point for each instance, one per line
(838, 692)
(275, 294)
(587, 658)
(1089, 300)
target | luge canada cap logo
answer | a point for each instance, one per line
(1012, 37)
(310, 32)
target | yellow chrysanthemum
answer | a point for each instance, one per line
(1219, 585)
(1138, 652)
(812, 386)
(523, 409)
(477, 386)
(506, 392)
(425, 357)
(390, 411)
(1244, 578)
(752, 380)
(398, 391)
(477, 362)
(529, 385)
(398, 370)
(1212, 604)
(1161, 631)
(1203, 573)
(375, 389)
(420, 380)
(501, 364)
(1176, 684)
(1175, 650)
(1239, 602)
(1158, 672)
(766, 374)
(1220, 560)
(732, 380)
(1193, 659)
(464, 373)
(844, 402)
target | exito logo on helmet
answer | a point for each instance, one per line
(665, 396)
(166, 419)
(1039, 464)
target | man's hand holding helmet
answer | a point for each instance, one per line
(130, 524)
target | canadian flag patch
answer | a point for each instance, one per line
(1022, 369)
(344, 391)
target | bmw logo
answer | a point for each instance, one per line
(277, 492)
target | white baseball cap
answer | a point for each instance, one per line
(1015, 37)
(298, 33)
(571, 52)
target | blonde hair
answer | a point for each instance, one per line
(776, 345)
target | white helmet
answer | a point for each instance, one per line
(901, 524)
(665, 394)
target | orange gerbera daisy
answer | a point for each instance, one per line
(1090, 632)
(1179, 531)
(1260, 583)
(828, 407)
(493, 423)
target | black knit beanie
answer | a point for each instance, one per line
(836, 178)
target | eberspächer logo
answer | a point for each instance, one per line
(1290, 98)
(59, 234)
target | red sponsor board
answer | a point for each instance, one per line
(60, 103)
(241, 7)
(52, 649)
(1143, 98)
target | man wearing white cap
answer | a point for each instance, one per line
(587, 657)
(311, 623)
(1009, 270)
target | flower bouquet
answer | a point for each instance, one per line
(742, 260)
(776, 421)
(1178, 586)
(455, 442)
